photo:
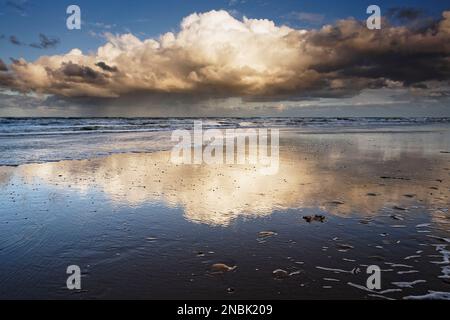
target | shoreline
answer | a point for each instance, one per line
(154, 141)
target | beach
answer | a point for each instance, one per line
(348, 194)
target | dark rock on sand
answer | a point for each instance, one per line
(316, 217)
(394, 178)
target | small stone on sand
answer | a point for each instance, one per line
(316, 217)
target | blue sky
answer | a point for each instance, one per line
(151, 18)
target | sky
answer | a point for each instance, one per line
(224, 58)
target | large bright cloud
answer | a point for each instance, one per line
(215, 54)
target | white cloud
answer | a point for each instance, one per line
(215, 54)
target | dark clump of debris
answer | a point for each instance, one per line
(316, 217)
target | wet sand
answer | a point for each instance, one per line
(142, 227)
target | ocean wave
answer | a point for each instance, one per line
(36, 140)
(54, 126)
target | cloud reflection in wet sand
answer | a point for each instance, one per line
(336, 175)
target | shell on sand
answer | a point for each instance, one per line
(280, 273)
(221, 267)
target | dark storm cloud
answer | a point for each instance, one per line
(406, 67)
(79, 73)
(14, 40)
(415, 19)
(45, 42)
(6, 80)
(420, 86)
(102, 65)
(19, 6)
(3, 66)
(352, 52)
(17, 61)
(404, 13)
